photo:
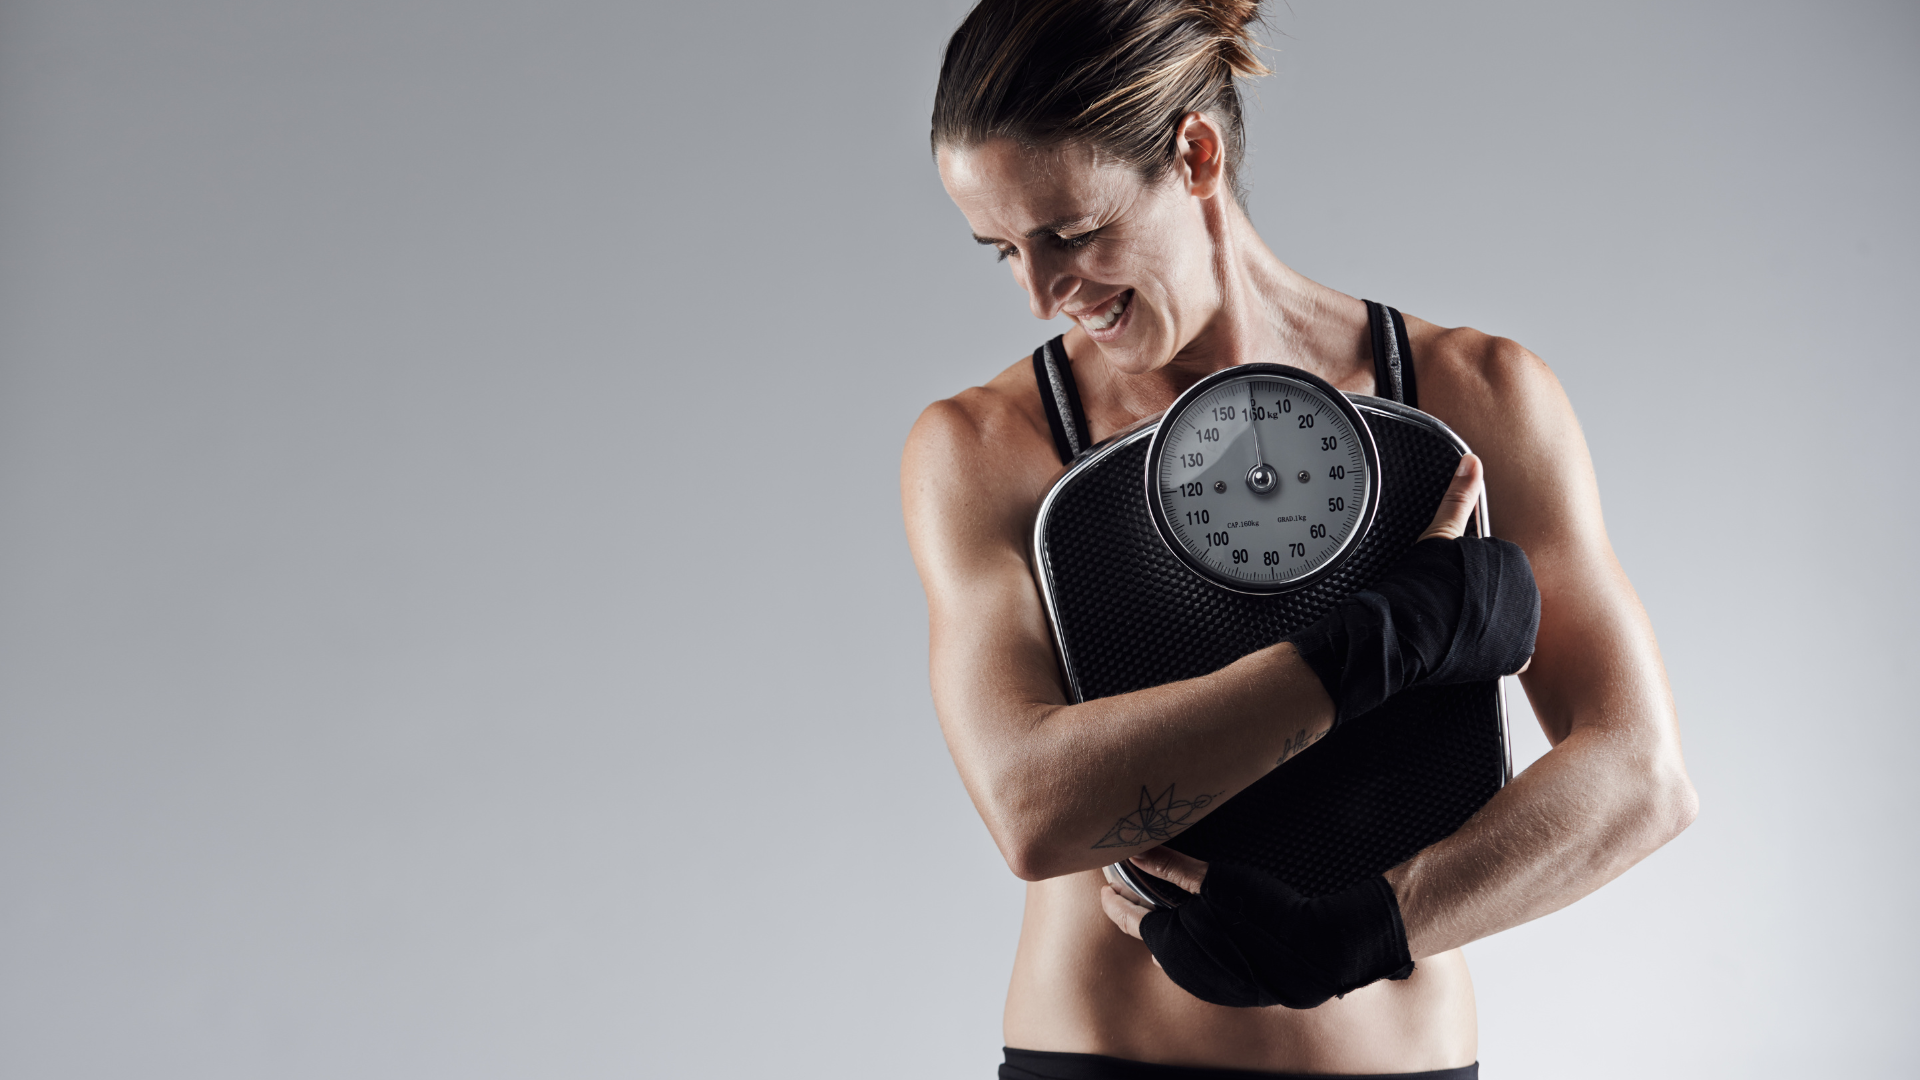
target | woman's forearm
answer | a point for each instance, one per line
(1089, 784)
(1593, 806)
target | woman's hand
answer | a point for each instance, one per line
(1163, 863)
(1457, 507)
(1459, 503)
(1250, 940)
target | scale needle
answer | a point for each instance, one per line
(1262, 478)
(1259, 457)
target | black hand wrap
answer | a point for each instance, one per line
(1250, 940)
(1452, 611)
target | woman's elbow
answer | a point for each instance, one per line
(1019, 790)
(1028, 838)
(1024, 813)
(1028, 846)
(1030, 863)
(1672, 804)
(1681, 801)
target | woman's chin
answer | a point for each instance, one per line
(1127, 346)
(1133, 354)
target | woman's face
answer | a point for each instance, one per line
(1129, 260)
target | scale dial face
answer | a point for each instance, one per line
(1262, 478)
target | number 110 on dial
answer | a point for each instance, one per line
(1262, 478)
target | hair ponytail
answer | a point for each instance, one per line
(1231, 19)
(1116, 73)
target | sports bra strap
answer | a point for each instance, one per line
(1060, 398)
(1392, 355)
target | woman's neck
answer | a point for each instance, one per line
(1266, 312)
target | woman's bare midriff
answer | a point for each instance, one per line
(1082, 986)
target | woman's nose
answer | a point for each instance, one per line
(1049, 287)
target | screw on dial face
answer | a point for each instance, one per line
(1214, 478)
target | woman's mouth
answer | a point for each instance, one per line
(1105, 323)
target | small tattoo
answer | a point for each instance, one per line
(1157, 819)
(1297, 742)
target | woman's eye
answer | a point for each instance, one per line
(1004, 252)
(1075, 243)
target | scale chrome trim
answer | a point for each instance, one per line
(1043, 565)
(1123, 877)
(1412, 415)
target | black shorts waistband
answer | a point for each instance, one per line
(1049, 1065)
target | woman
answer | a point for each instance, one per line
(1093, 144)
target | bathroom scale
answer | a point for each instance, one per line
(1260, 498)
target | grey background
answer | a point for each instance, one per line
(454, 616)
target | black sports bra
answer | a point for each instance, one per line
(1060, 396)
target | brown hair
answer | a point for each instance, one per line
(1118, 74)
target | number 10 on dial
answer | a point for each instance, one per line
(1262, 478)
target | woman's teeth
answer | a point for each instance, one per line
(1108, 317)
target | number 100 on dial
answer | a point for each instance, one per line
(1262, 478)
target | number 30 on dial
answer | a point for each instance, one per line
(1262, 478)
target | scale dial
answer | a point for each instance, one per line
(1262, 478)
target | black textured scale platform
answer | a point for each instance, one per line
(1128, 615)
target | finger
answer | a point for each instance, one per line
(1125, 913)
(1458, 504)
(1169, 865)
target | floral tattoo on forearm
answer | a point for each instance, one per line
(1156, 820)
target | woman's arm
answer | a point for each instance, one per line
(1065, 788)
(1614, 787)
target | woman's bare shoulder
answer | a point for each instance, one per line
(1508, 405)
(1003, 406)
(1468, 364)
(984, 454)
(998, 426)
(1487, 387)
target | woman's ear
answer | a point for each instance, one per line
(1200, 148)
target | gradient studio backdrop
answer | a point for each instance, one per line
(454, 614)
